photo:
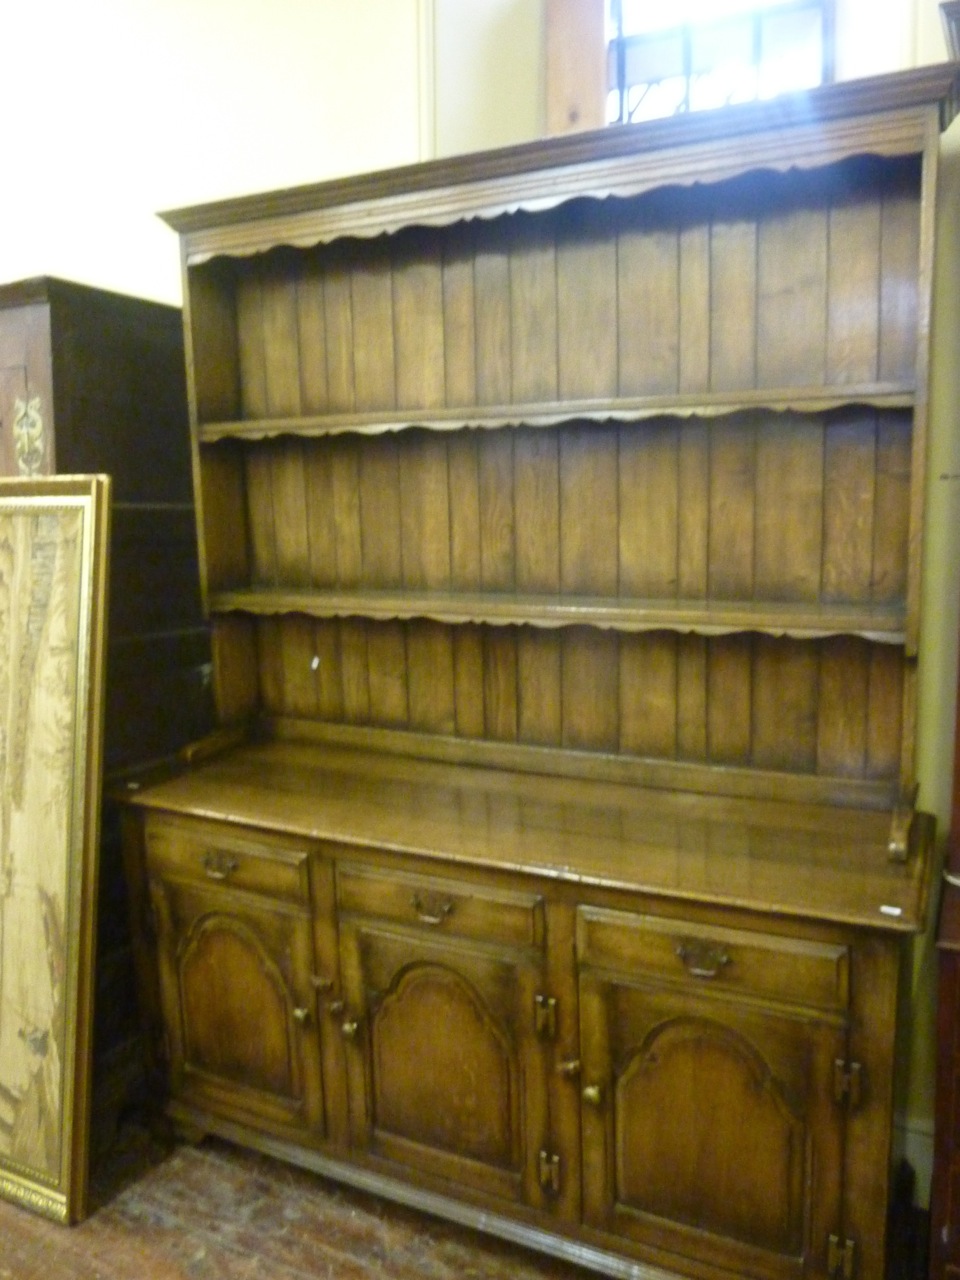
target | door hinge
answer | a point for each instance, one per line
(841, 1255)
(550, 1172)
(148, 920)
(847, 1083)
(545, 1017)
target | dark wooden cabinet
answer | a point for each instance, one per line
(560, 514)
(91, 382)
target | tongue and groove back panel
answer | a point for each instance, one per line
(628, 476)
(766, 282)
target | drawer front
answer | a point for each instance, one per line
(442, 905)
(789, 970)
(234, 858)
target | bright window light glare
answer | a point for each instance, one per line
(699, 54)
(640, 16)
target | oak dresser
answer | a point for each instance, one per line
(560, 514)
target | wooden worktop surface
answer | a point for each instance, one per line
(817, 862)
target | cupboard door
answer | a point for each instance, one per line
(235, 984)
(446, 1074)
(709, 1123)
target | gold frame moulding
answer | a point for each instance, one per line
(53, 581)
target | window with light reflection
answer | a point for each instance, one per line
(692, 54)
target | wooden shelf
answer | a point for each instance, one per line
(879, 395)
(883, 623)
(583, 831)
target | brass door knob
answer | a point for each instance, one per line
(702, 958)
(218, 865)
(349, 1029)
(432, 911)
(593, 1093)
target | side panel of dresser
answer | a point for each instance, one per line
(945, 1190)
(945, 1197)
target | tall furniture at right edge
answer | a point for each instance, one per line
(560, 516)
(945, 1194)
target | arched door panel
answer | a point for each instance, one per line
(446, 1074)
(235, 983)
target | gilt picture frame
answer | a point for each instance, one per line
(53, 580)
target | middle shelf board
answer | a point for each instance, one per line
(814, 399)
(882, 623)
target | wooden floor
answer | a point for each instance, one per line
(214, 1212)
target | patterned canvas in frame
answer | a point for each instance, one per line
(53, 549)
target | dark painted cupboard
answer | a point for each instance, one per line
(93, 381)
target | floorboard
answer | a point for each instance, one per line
(168, 1211)
(214, 1212)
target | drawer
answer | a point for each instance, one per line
(235, 858)
(442, 905)
(789, 970)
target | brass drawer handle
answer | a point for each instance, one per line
(593, 1093)
(219, 865)
(431, 912)
(301, 1015)
(349, 1029)
(702, 959)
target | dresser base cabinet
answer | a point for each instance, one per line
(541, 1023)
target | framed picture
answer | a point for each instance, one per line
(53, 563)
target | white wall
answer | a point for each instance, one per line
(114, 109)
(117, 109)
(874, 36)
(489, 74)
